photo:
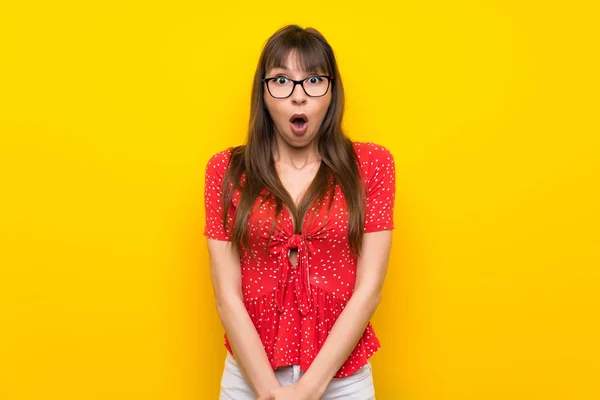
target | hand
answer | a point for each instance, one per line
(267, 396)
(286, 393)
(292, 392)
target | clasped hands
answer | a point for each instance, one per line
(292, 392)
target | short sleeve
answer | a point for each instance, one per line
(380, 189)
(213, 197)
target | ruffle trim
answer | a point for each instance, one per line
(326, 310)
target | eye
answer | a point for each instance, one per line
(280, 80)
(315, 79)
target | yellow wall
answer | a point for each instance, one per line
(110, 110)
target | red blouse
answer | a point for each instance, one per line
(294, 307)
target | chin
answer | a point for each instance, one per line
(304, 140)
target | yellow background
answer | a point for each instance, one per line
(110, 110)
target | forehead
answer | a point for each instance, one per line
(297, 63)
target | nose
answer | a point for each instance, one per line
(298, 95)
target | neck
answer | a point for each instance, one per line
(283, 153)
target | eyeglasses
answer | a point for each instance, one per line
(281, 87)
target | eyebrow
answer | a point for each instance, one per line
(312, 71)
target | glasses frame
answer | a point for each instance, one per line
(300, 82)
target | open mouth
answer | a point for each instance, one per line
(299, 121)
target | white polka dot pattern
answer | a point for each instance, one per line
(294, 307)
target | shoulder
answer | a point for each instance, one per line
(220, 157)
(372, 156)
(219, 161)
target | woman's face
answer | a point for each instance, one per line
(296, 134)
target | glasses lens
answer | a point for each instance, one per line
(280, 86)
(316, 85)
(313, 85)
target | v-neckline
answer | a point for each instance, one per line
(289, 213)
(291, 217)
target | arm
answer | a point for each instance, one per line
(241, 333)
(350, 325)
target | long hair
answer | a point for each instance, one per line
(339, 164)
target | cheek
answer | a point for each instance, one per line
(274, 108)
(324, 105)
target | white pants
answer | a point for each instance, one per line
(358, 386)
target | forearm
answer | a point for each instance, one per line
(247, 346)
(341, 341)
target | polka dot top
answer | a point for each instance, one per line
(294, 307)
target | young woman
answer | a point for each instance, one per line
(299, 225)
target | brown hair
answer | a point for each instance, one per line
(339, 164)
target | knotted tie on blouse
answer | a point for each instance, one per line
(298, 274)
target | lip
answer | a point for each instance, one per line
(303, 116)
(301, 131)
